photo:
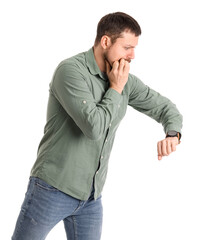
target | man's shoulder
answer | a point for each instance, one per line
(74, 67)
(77, 61)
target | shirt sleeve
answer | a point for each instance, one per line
(154, 105)
(70, 88)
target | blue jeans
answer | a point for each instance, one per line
(44, 206)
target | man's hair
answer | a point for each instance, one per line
(114, 24)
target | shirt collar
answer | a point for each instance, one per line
(92, 65)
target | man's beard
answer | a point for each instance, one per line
(106, 58)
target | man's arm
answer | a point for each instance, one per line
(158, 107)
(71, 90)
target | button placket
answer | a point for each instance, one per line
(102, 155)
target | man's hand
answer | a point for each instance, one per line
(167, 146)
(118, 74)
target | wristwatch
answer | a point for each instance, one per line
(173, 133)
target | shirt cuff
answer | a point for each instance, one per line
(113, 95)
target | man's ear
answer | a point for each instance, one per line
(105, 42)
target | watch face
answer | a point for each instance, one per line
(172, 133)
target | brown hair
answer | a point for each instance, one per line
(114, 24)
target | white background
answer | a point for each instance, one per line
(143, 198)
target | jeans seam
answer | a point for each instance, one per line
(78, 207)
(32, 197)
(18, 227)
(75, 227)
(25, 209)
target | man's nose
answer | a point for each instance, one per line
(131, 54)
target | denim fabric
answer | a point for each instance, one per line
(44, 206)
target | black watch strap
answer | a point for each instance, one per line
(173, 133)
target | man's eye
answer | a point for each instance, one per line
(126, 48)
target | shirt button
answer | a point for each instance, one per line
(110, 124)
(118, 105)
(84, 101)
(101, 157)
(106, 140)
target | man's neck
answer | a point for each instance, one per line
(99, 58)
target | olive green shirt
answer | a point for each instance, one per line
(83, 115)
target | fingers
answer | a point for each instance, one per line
(109, 68)
(173, 147)
(117, 74)
(166, 147)
(115, 65)
(121, 65)
(126, 66)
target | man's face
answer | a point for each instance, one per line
(122, 48)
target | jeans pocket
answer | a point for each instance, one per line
(28, 196)
(43, 185)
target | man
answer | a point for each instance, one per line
(89, 95)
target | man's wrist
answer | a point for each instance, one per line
(116, 89)
(173, 133)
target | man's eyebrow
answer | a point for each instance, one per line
(128, 45)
